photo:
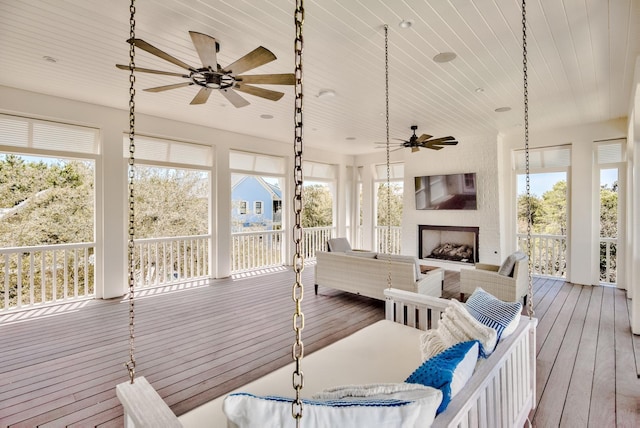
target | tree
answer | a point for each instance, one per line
(318, 206)
(609, 211)
(389, 214)
(536, 211)
(553, 220)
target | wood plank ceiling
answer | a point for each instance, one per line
(582, 55)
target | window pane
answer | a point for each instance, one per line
(45, 200)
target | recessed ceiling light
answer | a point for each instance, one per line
(502, 109)
(326, 93)
(444, 57)
(266, 116)
(350, 138)
(49, 58)
(405, 23)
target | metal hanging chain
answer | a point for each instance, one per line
(298, 258)
(530, 310)
(131, 364)
(386, 100)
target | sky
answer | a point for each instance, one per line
(543, 182)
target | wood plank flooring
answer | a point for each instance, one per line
(59, 365)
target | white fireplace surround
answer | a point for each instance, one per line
(432, 237)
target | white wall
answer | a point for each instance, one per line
(114, 123)
(472, 154)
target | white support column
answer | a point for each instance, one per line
(221, 216)
(114, 227)
(580, 226)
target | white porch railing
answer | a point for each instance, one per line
(44, 274)
(263, 249)
(608, 260)
(256, 250)
(548, 254)
(315, 239)
(383, 237)
(162, 261)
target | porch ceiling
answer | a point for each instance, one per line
(582, 56)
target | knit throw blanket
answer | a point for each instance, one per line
(457, 325)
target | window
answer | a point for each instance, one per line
(243, 207)
(257, 207)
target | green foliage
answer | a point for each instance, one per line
(318, 206)
(45, 204)
(395, 197)
(170, 202)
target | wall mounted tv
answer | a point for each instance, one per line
(446, 192)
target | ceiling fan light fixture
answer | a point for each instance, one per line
(326, 93)
(443, 57)
(405, 23)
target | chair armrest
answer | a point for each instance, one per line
(484, 266)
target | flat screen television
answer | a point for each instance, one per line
(446, 192)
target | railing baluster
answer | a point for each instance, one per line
(75, 272)
(32, 296)
(19, 288)
(65, 271)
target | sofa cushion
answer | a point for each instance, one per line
(403, 259)
(339, 245)
(508, 265)
(449, 371)
(361, 253)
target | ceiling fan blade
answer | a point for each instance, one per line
(148, 70)
(257, 57)
(259, 92)
(400, 139)
(395, 150)
(268, 79)
(439, 140)
(443, 143)
(415, 149)
(157, 52)
(206, 47)
(202, 96)
(434, 147)
(423, 137)
(234, 98)
(167, 87)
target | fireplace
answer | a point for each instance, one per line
(448, 243)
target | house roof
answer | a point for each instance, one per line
(581, 62)
(275, 191)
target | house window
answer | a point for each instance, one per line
(257, 207)
(243, 207)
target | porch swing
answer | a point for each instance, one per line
(499, 392)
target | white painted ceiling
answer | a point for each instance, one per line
(581, 61)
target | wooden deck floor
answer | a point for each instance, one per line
(59, 366)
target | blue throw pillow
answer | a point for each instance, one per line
(448, 371)
(493, 312)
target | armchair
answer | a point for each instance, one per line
(508, 282)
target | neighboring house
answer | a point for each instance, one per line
(255, 204)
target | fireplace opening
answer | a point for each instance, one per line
(449, 243)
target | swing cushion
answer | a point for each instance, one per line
(504, 317)
(378, 405)
(449, 371)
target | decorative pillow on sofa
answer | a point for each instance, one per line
(361, 253)
(247, 410)
(457, 325)
(504, 317)
(507, 266)
(449, 371)
(403, 259)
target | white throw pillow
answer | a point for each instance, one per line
(249, 411)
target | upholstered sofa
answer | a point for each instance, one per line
(366, 273)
